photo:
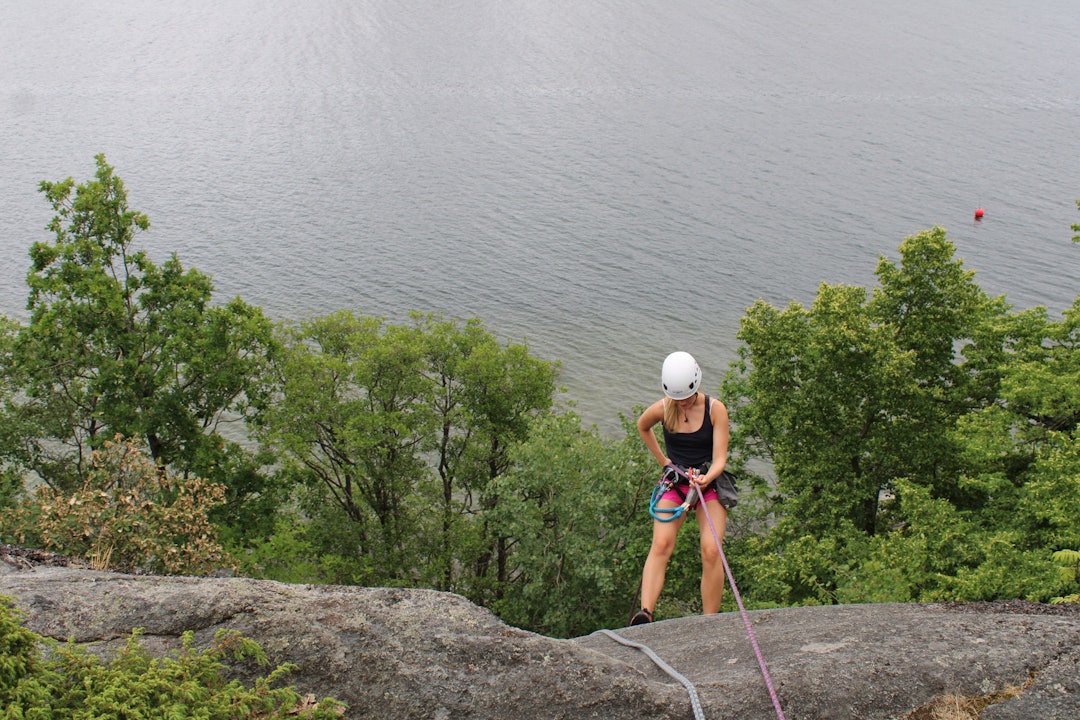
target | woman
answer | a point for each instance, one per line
(696, 441)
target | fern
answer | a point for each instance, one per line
(1070, 561)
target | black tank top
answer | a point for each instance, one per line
(692, 449)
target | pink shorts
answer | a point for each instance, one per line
(673, 495)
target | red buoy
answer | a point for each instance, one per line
(979, 213)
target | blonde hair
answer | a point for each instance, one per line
(671, 415)
(671, 412)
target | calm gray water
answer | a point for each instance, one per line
(607, 180)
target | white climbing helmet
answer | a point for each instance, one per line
(681, 375)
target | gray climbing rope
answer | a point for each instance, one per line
(695, 702)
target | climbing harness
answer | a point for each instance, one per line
(671, 479)
(671, 514)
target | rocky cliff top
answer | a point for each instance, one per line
(392, 653)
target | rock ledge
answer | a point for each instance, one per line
(391, 653)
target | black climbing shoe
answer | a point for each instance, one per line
(643, 616)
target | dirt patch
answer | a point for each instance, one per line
(25, 558)
(963, 707)
(1014, 607)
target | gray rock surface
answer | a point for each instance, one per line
(872, 661)
(424, 654)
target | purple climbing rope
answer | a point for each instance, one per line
(746, 619)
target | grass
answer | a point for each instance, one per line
(956, 706)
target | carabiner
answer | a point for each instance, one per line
(667, 482)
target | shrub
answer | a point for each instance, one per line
(72, 683)
(129, 514)
(1069, 562)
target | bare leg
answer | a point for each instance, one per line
(663, 545)
(712, 567)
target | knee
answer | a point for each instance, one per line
(710, 553)
(662, 548)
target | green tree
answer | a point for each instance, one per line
(848, 397)
(574, 507)
(1021, 453)
(924, 439)
(11, 481)
(401, 428)
(117, 344)
(1069, 563)
(24, 678)
(857, 390)
(350, 419)
(1076, 228)
(485, 396)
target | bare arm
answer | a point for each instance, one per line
(652, 415)
(721, 434)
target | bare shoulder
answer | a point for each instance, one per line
(654, 411)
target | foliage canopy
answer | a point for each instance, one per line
(915, 441)
(119, 345)
(397, 432)
(923, 438)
